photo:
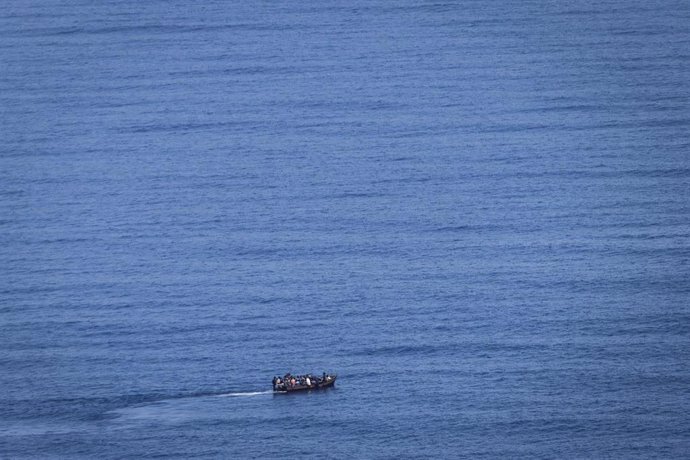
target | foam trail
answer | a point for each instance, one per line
(250, 393)
(176, 410)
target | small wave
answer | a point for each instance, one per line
(37, 429)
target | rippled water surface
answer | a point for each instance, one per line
(476, 213)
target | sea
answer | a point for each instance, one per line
(475, 213)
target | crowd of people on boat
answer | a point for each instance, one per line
(292, 381)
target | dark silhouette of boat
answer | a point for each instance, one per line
(290, 383)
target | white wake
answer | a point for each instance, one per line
(250, 393)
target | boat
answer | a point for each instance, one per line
(290, 383)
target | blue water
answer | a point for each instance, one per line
(476, 213)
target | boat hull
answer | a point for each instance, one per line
(318, 386)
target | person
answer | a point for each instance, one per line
(308, 380)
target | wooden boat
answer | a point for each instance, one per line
(289, 383)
